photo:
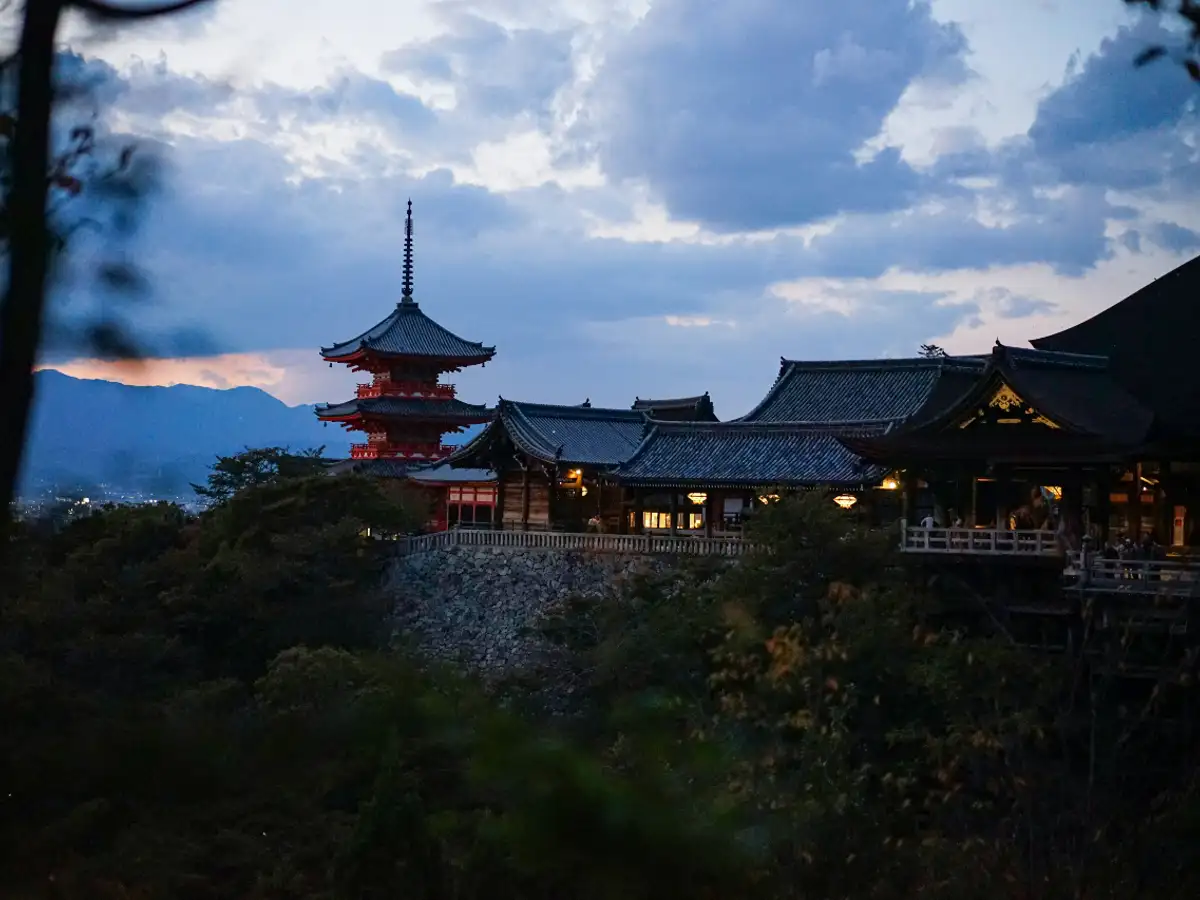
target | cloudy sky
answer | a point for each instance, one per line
(645, 197)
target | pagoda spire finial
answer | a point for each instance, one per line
(407, 293)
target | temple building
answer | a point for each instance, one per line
(1018, 451)
(552, 462)
(405, 409)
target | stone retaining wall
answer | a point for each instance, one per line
(475, 605)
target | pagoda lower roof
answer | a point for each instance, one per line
(408, 332)
(739, 454)
(878, 390)
(405, 408)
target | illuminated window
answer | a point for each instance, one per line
(656, 520)
(695, 521)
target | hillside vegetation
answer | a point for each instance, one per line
(208, 708)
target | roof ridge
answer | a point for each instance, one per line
(576, 411)
(916, 362)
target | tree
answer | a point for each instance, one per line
(1189, 12)
(30, 243)
(254, 467)
(932, 351)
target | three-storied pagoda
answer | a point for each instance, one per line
(405, 409)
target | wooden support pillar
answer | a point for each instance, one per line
(972, 518)
(498, 512)
(1164, 508)
(1104, 504)
(1003, 492)
(525, 498)
(674, 512)
(908, 497)
(1133, 518)
(639, 511)
(710, 507)
(600, 502)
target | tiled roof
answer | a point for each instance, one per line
(1149, 338)
(441, 471)
(747, 455)
(584, 435)
(574, 434)
(399, 468)
(887, 390)
(409, 332)
(406, 407)
(1097, 416)
(372, 468)
(1075, 389)
(696, 409)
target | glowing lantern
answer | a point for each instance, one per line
(698, 498)
(845, 501)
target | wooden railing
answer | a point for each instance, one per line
(406, 389)
(557, 540)
(384, 450)
(979, 541)
(1095, 573)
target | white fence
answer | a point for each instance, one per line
(593, 543)
(979, 541)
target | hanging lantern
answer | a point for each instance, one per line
(845, 501)
(699, 497)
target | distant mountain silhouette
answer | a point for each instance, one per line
(155, 440)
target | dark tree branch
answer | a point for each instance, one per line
(29, 242)
(104, 10)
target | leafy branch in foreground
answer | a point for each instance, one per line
(30, 172)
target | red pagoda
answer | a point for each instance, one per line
(405, 409)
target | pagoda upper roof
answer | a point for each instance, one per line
(405, 407)
(408, 332)
(695, 409)
(856, 391)
(581, 435)
(748, 454)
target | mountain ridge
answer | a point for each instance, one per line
(116, 439)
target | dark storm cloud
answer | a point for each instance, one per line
(494, 71)
(749, 115)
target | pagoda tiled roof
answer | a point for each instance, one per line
(582, 435)
(409, 332)
(878, 390)
(405, 407)
(741, 454)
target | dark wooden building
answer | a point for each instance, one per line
(549, 460)
(1041, 441)
(708, 477)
